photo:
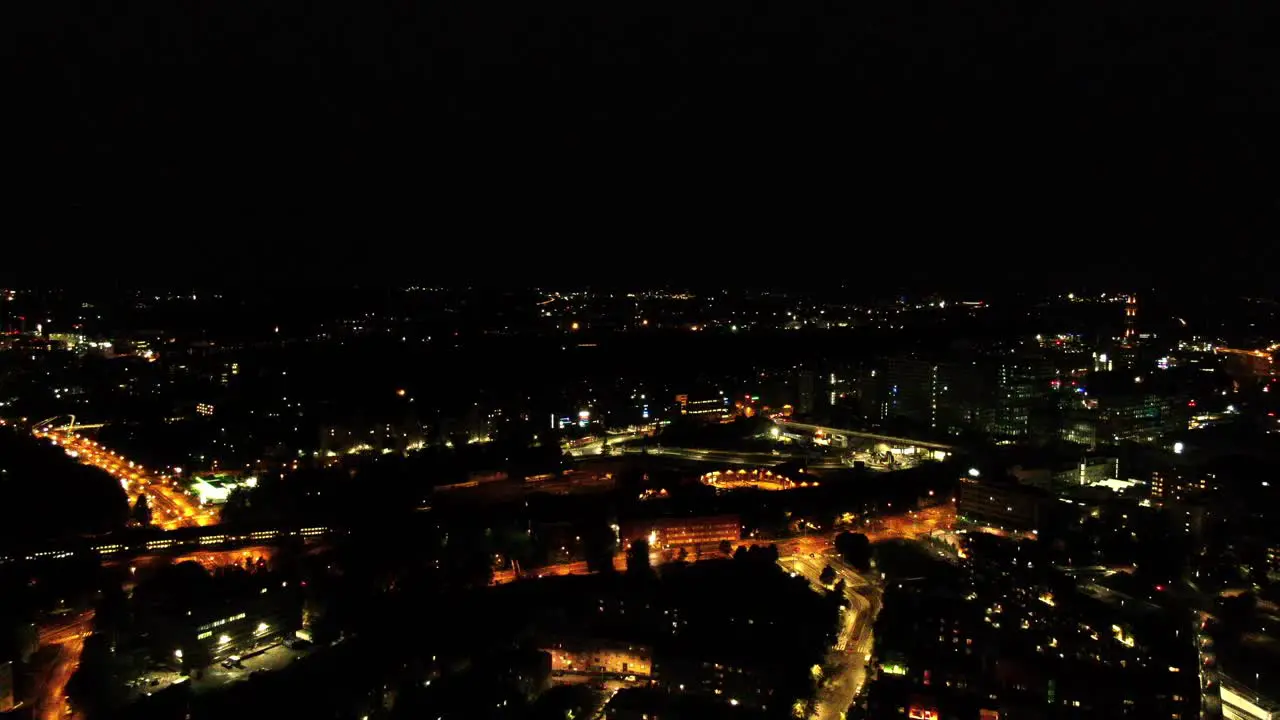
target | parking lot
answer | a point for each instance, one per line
(216, 676)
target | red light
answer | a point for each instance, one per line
(1160, 588)
(1191, 403)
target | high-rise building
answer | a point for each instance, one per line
(805, 390)
(1131, 318)
(1021, 385)
(995, 395)
(905, 390)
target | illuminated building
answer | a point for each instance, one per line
(1273, 556)
(1174, 486)
(996, 395)
(1021, 385)
(692, 532)
(906, 388)
(205, 409)
(229, 370)
(1000, 503)
(1131, 319)
(600, 656)
(1110, 418)
(1086, 471)
(710, 408)
(757, 479)
(216, 487)
(1241, 703)
(215, 631)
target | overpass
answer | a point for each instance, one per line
(154, 541)
(890, 439)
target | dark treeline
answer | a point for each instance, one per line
(47, 494)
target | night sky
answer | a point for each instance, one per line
(891, 144)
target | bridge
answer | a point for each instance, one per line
(46, 425)
(889, 439)
(154, 541)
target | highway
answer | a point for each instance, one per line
(889, 439)
(731, 457)
(171, 508)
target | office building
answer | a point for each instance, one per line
(710, 408)
(1003, 503)
(1021, 386)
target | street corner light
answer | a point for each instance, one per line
(973, 472)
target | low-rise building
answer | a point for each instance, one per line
(690, 533)
(599, 656)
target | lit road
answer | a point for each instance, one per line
(66, 636)
(595, 448)
(170, 507)
(906, 526)
(845, 666)
(210, 559)
(1252, 353)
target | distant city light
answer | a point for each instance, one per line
(973, 472)
(1177, 448)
